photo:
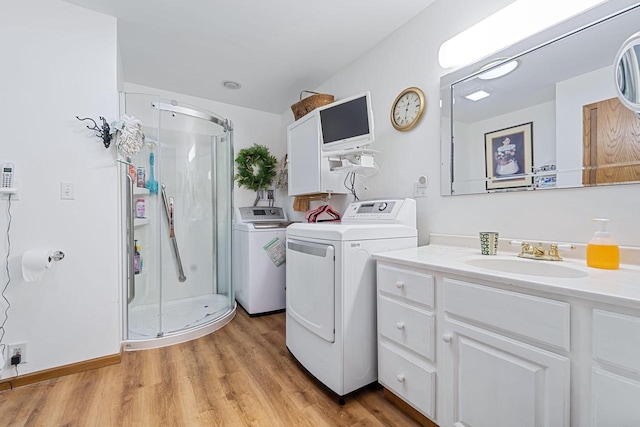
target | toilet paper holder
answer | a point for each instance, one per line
(56, 256)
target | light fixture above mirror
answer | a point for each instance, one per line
(515, 22)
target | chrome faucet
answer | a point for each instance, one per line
(538, 252)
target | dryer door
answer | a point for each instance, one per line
(311, 286)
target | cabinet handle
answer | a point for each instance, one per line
(447, 337)
(399, 284)
(400, 325)
(400, 378)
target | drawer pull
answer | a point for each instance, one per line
(400, 325)
(447, 337)
(400, 378)
(399, 284)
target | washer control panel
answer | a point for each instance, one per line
(260, 214)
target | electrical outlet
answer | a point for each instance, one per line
(17, 348)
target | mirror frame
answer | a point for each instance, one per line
(571, 26)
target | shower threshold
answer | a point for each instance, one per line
(183, 320)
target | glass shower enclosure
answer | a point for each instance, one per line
(177, 221)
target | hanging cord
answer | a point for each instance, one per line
(350, 184)
(6, 311)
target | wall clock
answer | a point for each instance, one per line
(407, 109)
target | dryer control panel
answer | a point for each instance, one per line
(388, 211)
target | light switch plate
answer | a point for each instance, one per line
(67, 191)
(420, 187)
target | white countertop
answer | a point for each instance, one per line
(620, 286)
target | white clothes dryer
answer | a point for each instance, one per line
(331, 289)
(259, 258)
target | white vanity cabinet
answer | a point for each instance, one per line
(470, 349)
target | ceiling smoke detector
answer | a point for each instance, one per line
(230, 84)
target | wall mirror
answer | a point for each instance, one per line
(554, 120)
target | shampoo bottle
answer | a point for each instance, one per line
(602, 250)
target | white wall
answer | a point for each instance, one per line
(408, 58)
(59, 61)
(250, 127)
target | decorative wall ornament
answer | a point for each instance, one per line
(103, 132)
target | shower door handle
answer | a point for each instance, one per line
(131, 288)
(168, 209)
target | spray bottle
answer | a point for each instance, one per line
(602, 250)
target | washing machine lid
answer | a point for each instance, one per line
(333, 231)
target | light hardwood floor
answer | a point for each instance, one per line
(241, 375)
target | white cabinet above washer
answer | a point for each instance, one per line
(308, 171)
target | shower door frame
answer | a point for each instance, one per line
(128, 236)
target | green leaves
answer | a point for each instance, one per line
(256, 167)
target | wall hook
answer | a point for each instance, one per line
(103, 132)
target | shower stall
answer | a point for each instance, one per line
(177, 223)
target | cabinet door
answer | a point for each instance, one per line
(498, 381)
(615, 400)
(304, 156)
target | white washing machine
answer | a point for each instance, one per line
(259, 258)
(331, 289)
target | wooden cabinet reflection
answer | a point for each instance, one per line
(611, 143)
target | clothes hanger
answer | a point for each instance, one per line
(313, 215)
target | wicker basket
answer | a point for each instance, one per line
(307, 105)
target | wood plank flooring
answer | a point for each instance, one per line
(241, 375)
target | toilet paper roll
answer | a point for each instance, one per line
(34, 264)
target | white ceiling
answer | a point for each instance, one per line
(274, 49)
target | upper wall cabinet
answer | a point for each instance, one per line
(309, 171)
(553, 120)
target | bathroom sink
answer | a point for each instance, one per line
(528, 267)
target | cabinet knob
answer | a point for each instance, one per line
(400, 325)
(447, 337)
(400, 378)
(399, 284)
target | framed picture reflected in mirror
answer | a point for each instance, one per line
(509, 157)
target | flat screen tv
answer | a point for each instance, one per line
(347, 124)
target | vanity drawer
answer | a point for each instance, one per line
(412, 285)
(406, 325)
(541, 319)
(413, 383)
(616, 339)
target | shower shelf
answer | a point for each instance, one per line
(140, 191)
(137, 222)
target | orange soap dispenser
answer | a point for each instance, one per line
(602, 250)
